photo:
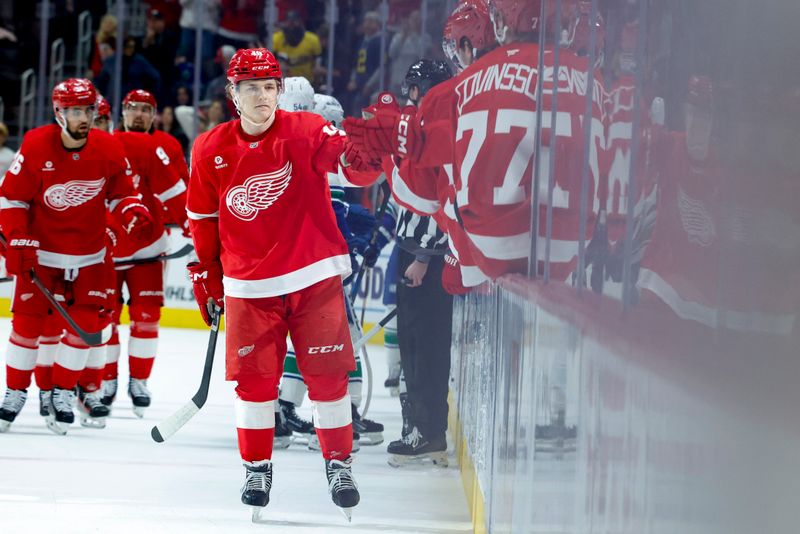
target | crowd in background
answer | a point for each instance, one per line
(159, 56)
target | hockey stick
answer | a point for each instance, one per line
(93, 339)
(185, 250)
(6, 279)
(387, 194)
(374, 330)
(363, 350)
(166, 428)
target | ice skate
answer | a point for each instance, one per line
(414, 447)
(296, 424)
(12, 405)
(61, 415)
(393, 385)
(257, 483)
(341, 485)
(140, 396)
(283, 434)
(313, 442)
(44, 402)
(91, 411)
(109, 392)
(370, 432)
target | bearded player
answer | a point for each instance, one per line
(271, 254)
(53, 213)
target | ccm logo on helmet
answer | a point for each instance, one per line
(402, 133)
(325, 349)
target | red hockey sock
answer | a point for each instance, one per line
(18, 378)
(140, 368)
(44, 376)
(110, 371)
(255, 445)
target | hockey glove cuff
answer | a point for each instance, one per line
(207, 287)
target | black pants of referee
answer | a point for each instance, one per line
(424, 331)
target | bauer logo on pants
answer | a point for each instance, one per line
(71, 194)
(258, 192)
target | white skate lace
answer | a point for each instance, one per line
(14, 400)
(258, 480)
(341, 476)
(63, 399)
(139, 388)
(412, 438)
(92, 399)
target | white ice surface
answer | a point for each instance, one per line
(117, 480)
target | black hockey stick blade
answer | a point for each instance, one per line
(169, 426)
(185, 250)
(6, 279)
(93, 339)
(374, 330)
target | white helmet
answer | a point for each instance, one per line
(298, 95)
(329, 108)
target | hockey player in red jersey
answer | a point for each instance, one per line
(432, 190)
(266, 238)
(162, 189)
(490, 126)
(53, 216)
(139, 109)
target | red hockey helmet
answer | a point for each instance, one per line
(253, 64)
(520, 16)
(701, 91)
(103, 107)
(580, 32)
(470, 19)
(140, 96)
(74, 92)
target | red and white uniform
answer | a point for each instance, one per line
(161, 188)
(432, 190)
(177, 160)
(705, 219)
(262, 207)
(58, 197)
(493, 111)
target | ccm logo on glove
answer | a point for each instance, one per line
(402, 133)
(23, 243)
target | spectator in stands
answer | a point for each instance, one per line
(137, 72)
(182, 96)
(171, 126)
(216, 88)
(215, 115)
(158, 47)
(408, 45)
(6, 154)
(364, 77)
(209, 22)
(238, 22)
(106, 33)
(296, 49)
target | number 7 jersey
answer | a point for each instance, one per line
(493, 110)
